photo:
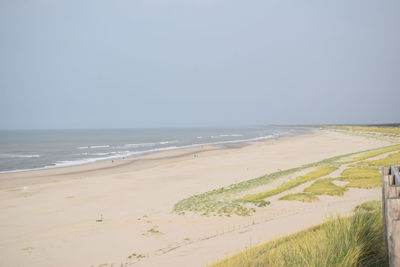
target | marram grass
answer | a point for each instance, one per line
(360, 172)
(303, 197)
(222, 201)
(226, 201)
(377, 152)
(395, 131)
(341, 241)
(319, 172)
(325, 187)
(361, 177)
(392, 159)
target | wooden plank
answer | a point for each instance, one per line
(393, 235)
(396, 173)
(394, 191)
(394, 259)
(386, 170)
(385, 185)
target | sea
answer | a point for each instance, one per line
(22, 150)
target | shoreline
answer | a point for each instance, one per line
(137, 154)
(29, 176)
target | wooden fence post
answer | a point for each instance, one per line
(391, 213)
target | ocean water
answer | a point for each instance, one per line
(37, 149)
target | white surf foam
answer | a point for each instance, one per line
(127, 146)
(125, 154)
(18, 156)
(168, 142)
(100, 146)
(94, 146)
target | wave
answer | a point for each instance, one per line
(145, 144)
(136, 145)
(101, 154)
(226, 135)
(116, 155)
(18, 156)
(97, 146)
(125, 154)
(102, 146)
(168, 142)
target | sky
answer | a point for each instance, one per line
(198, 63)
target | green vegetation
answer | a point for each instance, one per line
(222, 201)
(136, 256)
(358, 177)
(395, 131)
(303, 197)
(365, 183)
(325, 187)
(377, 152)
(226, 201)
(369, 206)
(392, 159)
(319, 172)
(153, 232)
(342, 241)
(361, 177)
(360, 172)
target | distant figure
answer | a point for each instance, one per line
(101, 218)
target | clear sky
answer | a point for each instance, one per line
(188, 63)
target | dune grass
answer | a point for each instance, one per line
(222, 202)
(377, 152)
(319, 172)
(357, 177)
(360, 172)
(392, 159)
(361, 177)
(341, 241)
(370, 206)
(370, 129)
(226, 201)
(153, 232)
(366, 183)
(325, 187)
(303, 197)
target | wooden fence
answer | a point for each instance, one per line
(391, 212)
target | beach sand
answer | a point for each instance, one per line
(49, 217)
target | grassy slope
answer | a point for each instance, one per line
(395, 131)
(320, 172)
(342, 241)
(363, 174)
(325, 187)
(224, 201)
(361, 177)
(303, 197)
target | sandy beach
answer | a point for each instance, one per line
(120, 213)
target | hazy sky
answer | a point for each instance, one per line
(163, 63)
